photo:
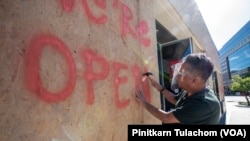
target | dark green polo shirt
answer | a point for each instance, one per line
(200, 108)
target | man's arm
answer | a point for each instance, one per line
(165, 117)
(168, 95)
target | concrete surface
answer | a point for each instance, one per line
(235, 112)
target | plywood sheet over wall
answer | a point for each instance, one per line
(69, 68)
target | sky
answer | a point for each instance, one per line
(224, 18)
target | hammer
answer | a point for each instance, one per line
(146, 74)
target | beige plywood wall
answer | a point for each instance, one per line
(68, 68)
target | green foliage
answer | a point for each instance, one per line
(246, 84)
(240, 84)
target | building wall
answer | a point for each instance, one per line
(234, 55)
(183, 19)
(69, 68)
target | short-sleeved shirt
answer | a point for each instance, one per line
(200, 108)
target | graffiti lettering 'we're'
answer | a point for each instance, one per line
(137, 31)
(35, 85)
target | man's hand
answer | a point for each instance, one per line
(140, 96)
(156, 84)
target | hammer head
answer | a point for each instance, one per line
(147, 74)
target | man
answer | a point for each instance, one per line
(196, 104)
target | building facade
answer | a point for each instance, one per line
(235, 57)
(191, 36)
(69, 68)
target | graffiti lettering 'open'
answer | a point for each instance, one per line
(67, 5)
(32, 65)
(35, 84)
(90, 56)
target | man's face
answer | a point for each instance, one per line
(184, 77)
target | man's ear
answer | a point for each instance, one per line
(198, 80)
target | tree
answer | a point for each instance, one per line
(241, 85)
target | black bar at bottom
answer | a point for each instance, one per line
(194, 132)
